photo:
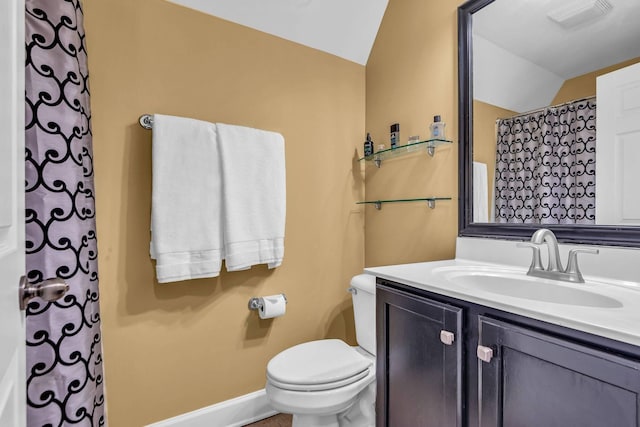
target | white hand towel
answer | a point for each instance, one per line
(254, 196)
(185, 208)
(480, 193)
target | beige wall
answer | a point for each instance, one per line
(484, 138)
(173, 348)
(585, 85)
(412, 76)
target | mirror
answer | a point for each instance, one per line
(527, 117)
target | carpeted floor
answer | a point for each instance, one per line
(280, 420)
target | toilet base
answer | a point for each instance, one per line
(361, 414)
(300, 420)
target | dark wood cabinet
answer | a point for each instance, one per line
(419, 373)
(535, 379)
(502, 370)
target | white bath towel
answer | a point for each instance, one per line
(480, 193)
(254, 196)
(186, 192)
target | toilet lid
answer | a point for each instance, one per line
(316, 365)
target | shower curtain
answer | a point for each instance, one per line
(64, 350)
(545, 166)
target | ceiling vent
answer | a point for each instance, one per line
(577, 12)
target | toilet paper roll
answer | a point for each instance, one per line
(272, 306)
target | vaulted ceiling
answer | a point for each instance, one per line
(345, 28)
(524, 28)
(522, 56)
(519, 33)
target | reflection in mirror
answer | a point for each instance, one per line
(535, 107)
(547, 148)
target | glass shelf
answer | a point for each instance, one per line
(429, 144)
(431, 201)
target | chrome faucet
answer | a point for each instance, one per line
(546, 236)
(554, 269)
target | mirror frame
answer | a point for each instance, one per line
(611, 235)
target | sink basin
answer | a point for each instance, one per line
(518, 285)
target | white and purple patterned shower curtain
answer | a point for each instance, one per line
(64, 347)
(546, 166)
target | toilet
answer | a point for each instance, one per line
(327, 383)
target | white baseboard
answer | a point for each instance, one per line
(236, 412)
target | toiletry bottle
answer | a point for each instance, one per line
(395, 135)
(437, 128)
(368, 146)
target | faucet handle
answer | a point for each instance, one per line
(536, 261)
(572, 263)
(584, 251)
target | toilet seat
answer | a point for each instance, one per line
(317, 365)
(319, 387)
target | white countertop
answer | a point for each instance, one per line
(620, 322)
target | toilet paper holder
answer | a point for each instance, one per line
(256, 303)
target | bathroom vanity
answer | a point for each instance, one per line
(471, 343)
(476, 341)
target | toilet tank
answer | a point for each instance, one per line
(363, 293)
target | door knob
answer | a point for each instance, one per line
(48, 290)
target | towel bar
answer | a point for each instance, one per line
(146, 121)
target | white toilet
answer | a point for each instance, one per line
(328, 383)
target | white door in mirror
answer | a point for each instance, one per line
(618, 146)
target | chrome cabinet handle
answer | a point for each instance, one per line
(48, 290)
(484, 353)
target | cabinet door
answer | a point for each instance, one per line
(418, 374)
(536, 380)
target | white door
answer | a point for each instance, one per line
(618, 146)
(12, 335)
